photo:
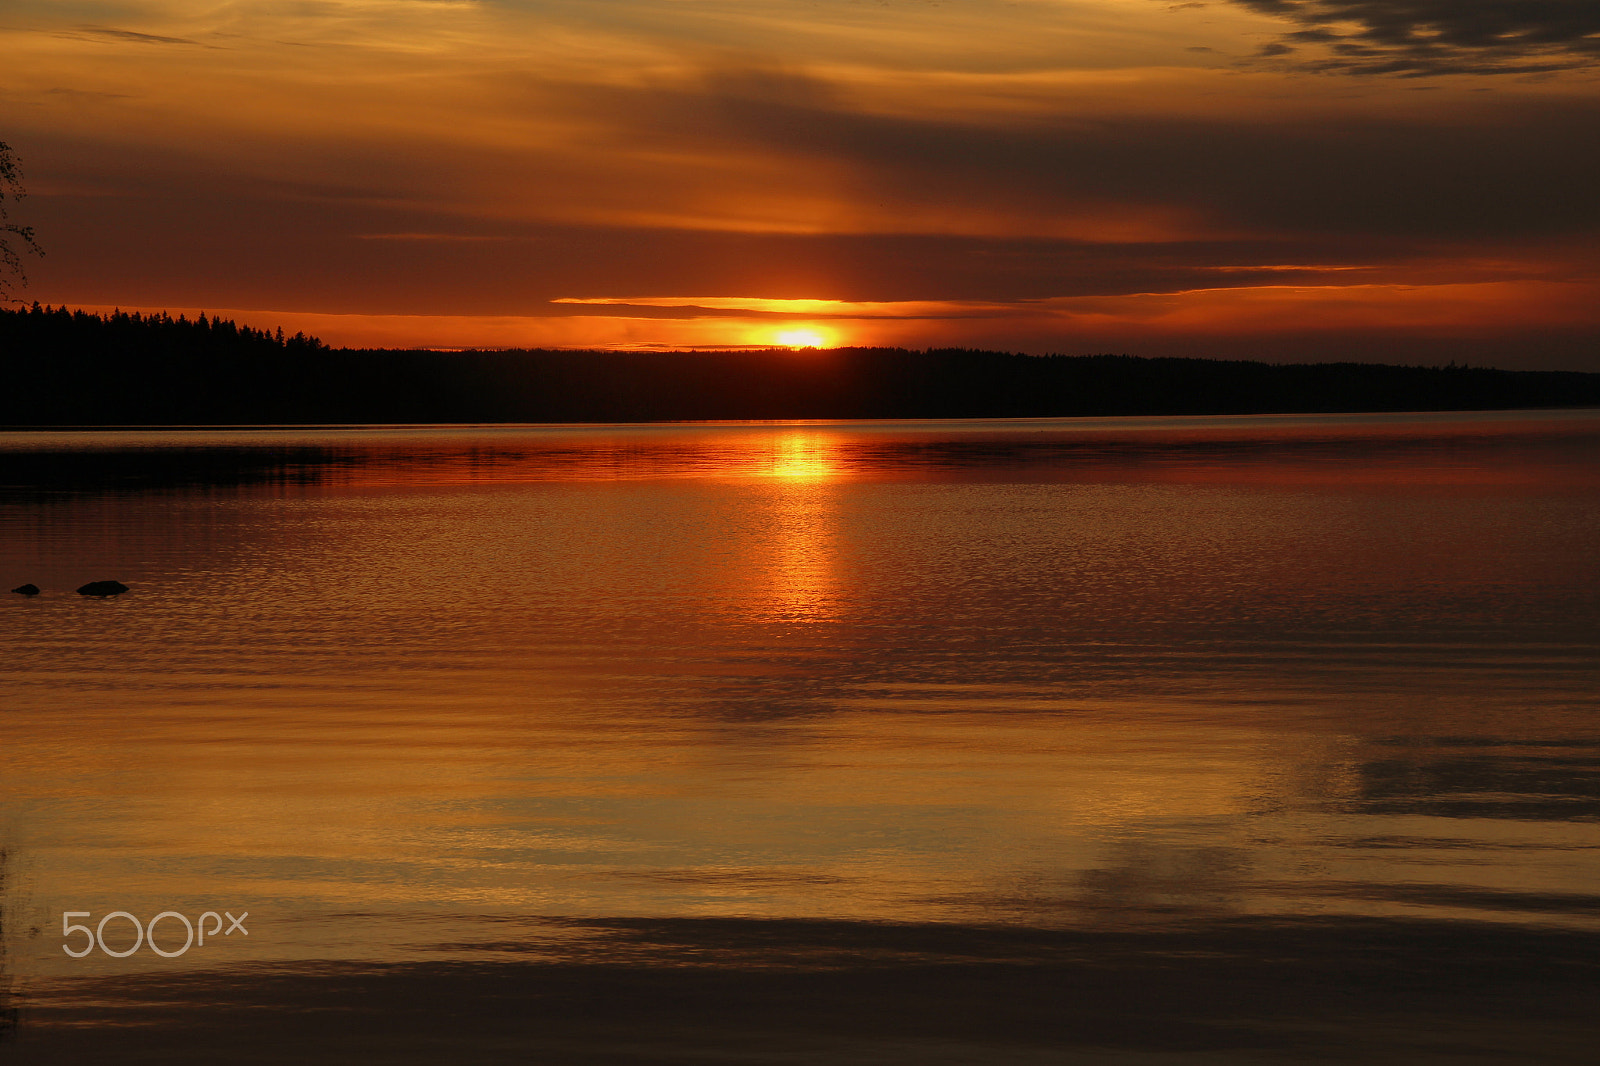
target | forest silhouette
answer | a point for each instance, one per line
(65, 367)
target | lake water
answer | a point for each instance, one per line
(1104, 741)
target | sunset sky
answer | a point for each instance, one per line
(1380, 180)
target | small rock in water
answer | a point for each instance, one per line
(103, 588)
(30, 589)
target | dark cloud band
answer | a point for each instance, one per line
(1416, 38)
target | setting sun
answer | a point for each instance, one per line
(803, 338)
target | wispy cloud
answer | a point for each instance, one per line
(806, 308)
(447, 237)
(122, 35)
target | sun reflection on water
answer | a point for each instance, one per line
(805, 457)
(802, 575)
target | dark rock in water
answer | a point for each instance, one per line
(103, 588)
(30, 589)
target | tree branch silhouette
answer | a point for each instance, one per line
(15, 240)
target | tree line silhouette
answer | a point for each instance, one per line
(66, 367)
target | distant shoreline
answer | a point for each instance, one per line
(1333, 418)
(71, 368)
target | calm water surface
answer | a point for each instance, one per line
(1246, 739)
